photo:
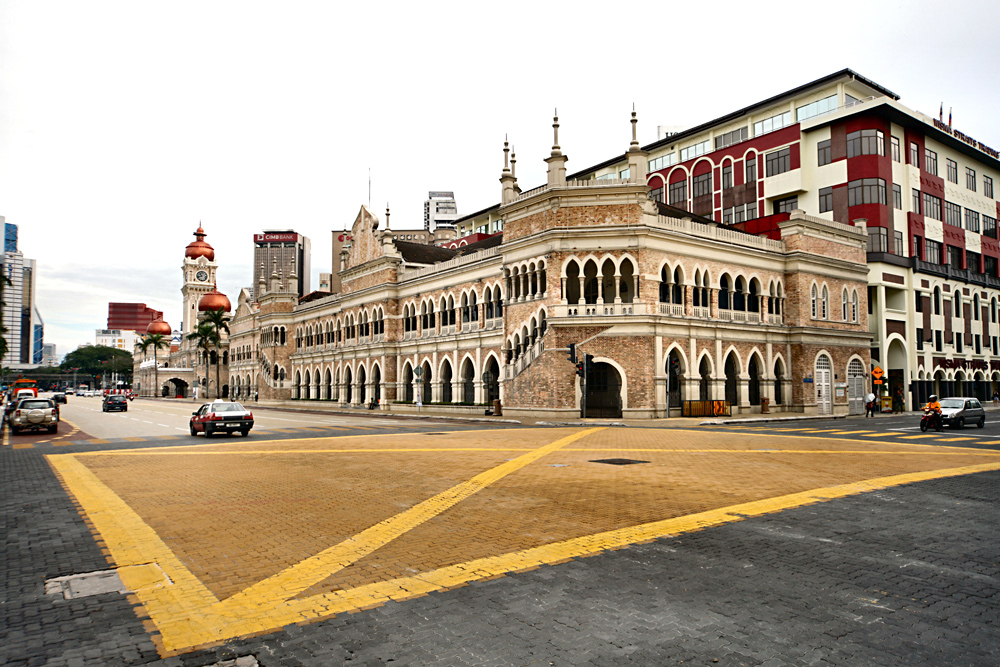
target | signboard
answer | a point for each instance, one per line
(282, 237)
(841, 392)
(876, 382)
(877, 373)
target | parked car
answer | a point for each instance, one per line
(221, 416)
(34, 414)
(114, 402)
(957, 412)
(59, 397)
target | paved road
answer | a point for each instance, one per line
(506, 547)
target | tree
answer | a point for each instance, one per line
(204, 338)
(219, 321)
(94, 359)
(157, 342)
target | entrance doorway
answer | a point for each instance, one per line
(604, 392)
(856, 388)
(824, 393)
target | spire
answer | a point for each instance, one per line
(635, 142)
(513, 162)
(387, 216)
(555, 134)
(556, 161)
(506, 151)
(507, 179)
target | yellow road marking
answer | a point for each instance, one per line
(98, 441)
(187, 614)
(919, 435)
(955, 439)
(6, 434)
(24, 446)
(311, 571)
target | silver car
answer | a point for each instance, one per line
(957, 412)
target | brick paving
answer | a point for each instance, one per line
(898, 575)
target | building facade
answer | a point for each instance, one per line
(25, 327)
(289, 250)
(132, 316)
(440, 210)
(671, 309)
(120, 339)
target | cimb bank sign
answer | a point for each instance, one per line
(284, 237)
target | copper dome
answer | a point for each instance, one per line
(214, 300)
(158, 327)
(199, 248)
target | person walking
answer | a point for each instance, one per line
(897, 401)
(996, 398)
(870, 405)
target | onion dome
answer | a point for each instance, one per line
(214, 300)
(158, 327)
(199, 248)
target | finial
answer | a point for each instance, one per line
(387, 216)
(555, 134)
(635, 141)
(506, 152)
(513, 161)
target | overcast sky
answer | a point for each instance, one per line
(124, 124)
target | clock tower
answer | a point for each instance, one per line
(199, 278)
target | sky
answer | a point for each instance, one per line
(125, 125)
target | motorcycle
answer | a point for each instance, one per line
(930, 418)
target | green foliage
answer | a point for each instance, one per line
(97, 359)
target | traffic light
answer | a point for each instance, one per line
(588, 362)
(572, 353)
(579, 368)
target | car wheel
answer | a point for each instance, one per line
(245, 432)
(209, 431)
(981, 423)
(54, 429)
(193, 432)
(960, 422)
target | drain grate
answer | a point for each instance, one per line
(435, 433)
(619, 462)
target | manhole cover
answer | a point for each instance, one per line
(619, 462)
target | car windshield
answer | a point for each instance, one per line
(35, 405)
(227, 407)
(952, 402)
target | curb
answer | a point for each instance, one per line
(764, 420)
(581, 424)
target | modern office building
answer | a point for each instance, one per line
(132, 316)
(286, 251)
(49, 355)
(440, 210)
(20, 315)
(121, 339)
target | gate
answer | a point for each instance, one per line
(856, 388)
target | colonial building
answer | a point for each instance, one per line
(671, 307)
(185, 368)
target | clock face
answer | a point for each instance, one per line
(202, 276)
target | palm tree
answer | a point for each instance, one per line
(204, 337)
(157, 342)
(218, 321)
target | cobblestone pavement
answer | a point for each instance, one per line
(505, 547)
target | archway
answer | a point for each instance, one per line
(348, 386)
(468, 382)
(674, 389)
(493, 386)
(377, 384)
(732, 381)
(425, 389)
(753, 385)
(779, 382)
(446, 374)
(408, 384)
(175, 387)
(362, 387)
(604, 395)
(856, 387)
(704, 386)
(896, 369)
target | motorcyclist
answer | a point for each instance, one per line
(935, 408)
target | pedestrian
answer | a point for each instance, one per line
(255, 395)
(996, 398)
(897, 401)
(870, 405)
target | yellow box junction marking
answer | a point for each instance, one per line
(187, 614)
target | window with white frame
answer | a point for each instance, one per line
(692, 152)
(773, 123)
(817, 108)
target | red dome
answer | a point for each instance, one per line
(199, 248)
(158, 327)
(214, 300)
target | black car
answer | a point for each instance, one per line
(114, 402)
(59, 398)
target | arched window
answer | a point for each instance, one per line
(724, 293)
(815, 301)
(937, 300)
(825, 303)
(975, 308)
(844, 304)
(854, 306)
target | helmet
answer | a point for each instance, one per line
(933, 397)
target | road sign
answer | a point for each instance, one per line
(877, 373)
(876, 382)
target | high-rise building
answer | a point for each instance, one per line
(25, 328)
(49, 355)
(440, 210)
(132, 316)
(120, 339)
(286, 251)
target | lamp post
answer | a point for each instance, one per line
(418, 371)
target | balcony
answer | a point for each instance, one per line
(599, 309)
(673, 309)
